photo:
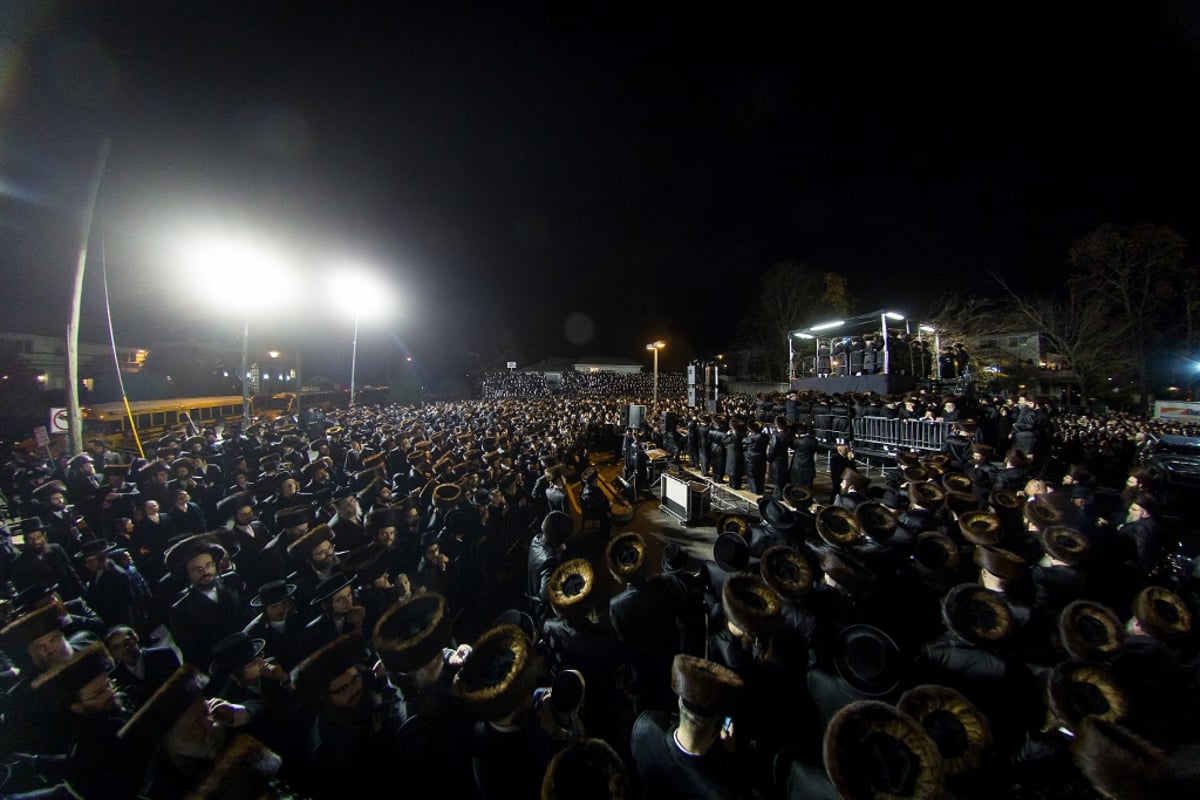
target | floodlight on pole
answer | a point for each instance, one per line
(255, 271)
(655, 347)
(827, 325)
(359, 294)
(893, 315)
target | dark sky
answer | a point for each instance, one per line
(526, 171)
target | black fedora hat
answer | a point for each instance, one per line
(95, 547)
(731, 552)
(272, 592)
(868, 659)
(330, 586)
(775, 515)
(234, 652)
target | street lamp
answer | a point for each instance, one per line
(655, 347)
(254, 271)
(359, 294)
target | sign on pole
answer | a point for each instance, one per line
(42, 437)
(59, 422)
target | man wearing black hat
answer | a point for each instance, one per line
(59, 520)
(150, 536)
(278, 624)
(208, 609)
(347, 523)
(339, 612)
(242, 676)
(186, 516)
(108, 588)
(41, 562)
(779, 455)
(545, 554)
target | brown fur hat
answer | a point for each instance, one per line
(446, 495)
(959, 729)
(387, 517)
(926, 495)
(1078, 689)
(1118, 762)
(786, 571)
(626, 555)
(1090, 631)
(586, 769)
(848, 572)
(167, 703)
(961, 502)
(60, 684)
(1042, 514)
(1065, 544)
(878, 522)
(311, 676)
(873, 751)
(908, 459)
(750, 604)
(733, 523)
(956, 482)
(1003, 502)
(978, 615)
(499, 675)
(706, 687)
(981, 528)
(243, 771)
(412, 632)
(916, 474)
(17, 635)
(999, 562)
(570, 588)
(300, 549)
(797, 496)
(838, 526)
(1162, 614)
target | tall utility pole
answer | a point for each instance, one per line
(74, 417)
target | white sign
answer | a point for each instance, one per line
(512, 365)
(1177, 411)
(58, 420)
(41, 437)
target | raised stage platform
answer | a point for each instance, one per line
(837, 384)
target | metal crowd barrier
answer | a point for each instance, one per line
(882, 436)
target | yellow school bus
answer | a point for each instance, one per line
(189, 415)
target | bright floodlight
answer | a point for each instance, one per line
(802, 335)
(249, 272)
(827, 325)
(358, 293)
(660, 344)
(928, 329)
(893, 315)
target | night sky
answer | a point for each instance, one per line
(586, 180)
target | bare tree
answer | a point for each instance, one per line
(1081, 331)
(1135, 275)
(790, 295)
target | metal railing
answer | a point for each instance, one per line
(883, 436)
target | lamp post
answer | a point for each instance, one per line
(359, 294)
(256, 270)
(655, 347)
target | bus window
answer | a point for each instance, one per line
(202, 413)
(143, 421)
(172, 418)
(157, 419)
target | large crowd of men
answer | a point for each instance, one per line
(272, 611)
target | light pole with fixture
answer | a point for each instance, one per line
(655, 347)
(361, 295)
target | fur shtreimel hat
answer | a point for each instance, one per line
(17, 635)
(570, 587)
(979, 615)
(999, 562)
(981, 528)
(706, 687)
(1078, 690)
(786, 571)
(956, 482)
(874, 751)
(959, 729)
(838, 526)
(243, 772)
(1065, 544)
(733, 523)
(302, 548)
(60, 685)
(588, 769)
(626, 555)
(926, 495)
(877, 520)
(1162, 613)
(412, 632)
(183, 551)
(311, 676)
(750, 604)
(1118, 762)
(156, 716)
(500, 673)
(936, 553)
(1090, 631)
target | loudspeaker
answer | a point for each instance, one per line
(635, 416)
(693, 396)
(692, 375)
